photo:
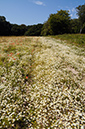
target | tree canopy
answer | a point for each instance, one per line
(5, 27)
(58, 23)
(81, 14)
(34, 30)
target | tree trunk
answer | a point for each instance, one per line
(80, 30)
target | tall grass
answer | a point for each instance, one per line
(76, 39)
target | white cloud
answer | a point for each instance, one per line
(69, 11)
(39, 3)
(73, 10)
(73, 13)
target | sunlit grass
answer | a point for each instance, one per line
(41, 83)
(75, 39)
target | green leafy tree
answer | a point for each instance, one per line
(46, 29)
(75, 26)
(81, 14)
(58, 23)
(22, 29)
(34, 30)
(18, 30)
(83, 30)
(15, 30)
(5, 27)
(2, 19)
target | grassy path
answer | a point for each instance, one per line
(42, 84)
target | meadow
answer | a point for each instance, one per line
(75, 39)
(42, 83)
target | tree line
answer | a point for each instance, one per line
(58, 23)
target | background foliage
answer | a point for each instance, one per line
(58, 23)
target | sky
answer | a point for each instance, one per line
(30, 12)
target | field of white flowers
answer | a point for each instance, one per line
(42, 84)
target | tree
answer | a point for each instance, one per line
(2, 19)
(46, 29)
(83, 30)
(18, 30)
(58, 23)
(15, 30)
(75, 26)
(34, 30)
(81, 14)
(23, 29)
(5, 27)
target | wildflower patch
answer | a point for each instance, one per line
(41, 83)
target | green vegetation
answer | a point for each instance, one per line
(77, 39)
(81, 14)
(58, 23)
(34, 30)
(42, 79)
